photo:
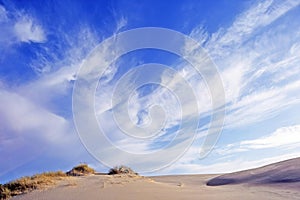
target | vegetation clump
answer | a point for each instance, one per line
(4, 192)
(121, 170)
(81, 170)
(29, 183)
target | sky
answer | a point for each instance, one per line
(254, 46)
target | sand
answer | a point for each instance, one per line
(164, 187)
(276, 181)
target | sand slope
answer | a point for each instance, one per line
(277, 181)
(281, 174)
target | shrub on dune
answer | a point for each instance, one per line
(121, 170)
(81, 170)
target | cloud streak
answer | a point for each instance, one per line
(20, 27)
(36, 115)
(244, 55)
(282, 138)
(259, 76)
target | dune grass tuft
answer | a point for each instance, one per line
(39, 181)
(29, 183)
(81, 170)
(121, 170)
(4, 192)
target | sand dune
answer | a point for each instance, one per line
(276, 181)
(284, 174)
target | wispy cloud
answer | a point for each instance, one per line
(257, 73)
(28, 128)
(243, 53)
(18, 26)
(226, 40)
(257, 60)
(36, 116)
(228, 166)
(281, 138)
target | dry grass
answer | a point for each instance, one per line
(121, 170)
(81, 170)
(39, 181)
(4, 192)
(29, 183)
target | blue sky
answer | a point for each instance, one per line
(254, 44)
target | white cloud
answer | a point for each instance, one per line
(256, 71)
(261, 105)
(258, 62)
(233, 77)
(229, 166)
(121, 23)
(19, 26)
(26, 130)
(260, 15)
(28, 31)
(3, 14)
(21, 115)
(243, 57)
(31, 116)
(281, 138)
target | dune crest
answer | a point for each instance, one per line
(282, 173)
